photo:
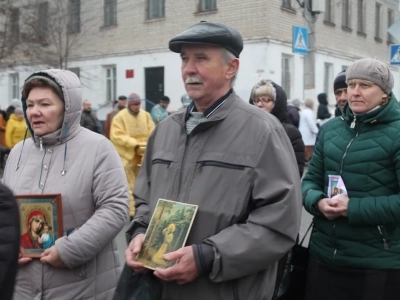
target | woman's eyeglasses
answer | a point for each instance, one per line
(264, 100)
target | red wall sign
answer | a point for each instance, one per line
(129, 73)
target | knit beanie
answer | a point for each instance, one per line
(134, 98)
(340, 81)
(372, 70)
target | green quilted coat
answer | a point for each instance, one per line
(368, 159)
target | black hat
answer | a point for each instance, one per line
(340, 81)
(165, 99)
(122, 97)
(210, 34)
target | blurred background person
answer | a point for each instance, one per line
(323, 114)
(130, 129)
(292, 112)
(308, 127)
(100, 129)
(340, 90)
(271, 98)
(16, 128)
(88, 120)
(120, 105)
(159, 111)
(185, 100)
(10, 109)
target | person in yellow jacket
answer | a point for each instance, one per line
(130, 128)
(16, 128)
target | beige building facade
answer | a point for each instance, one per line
(121, 46)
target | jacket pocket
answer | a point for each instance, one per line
(161, 161)
(220, 164)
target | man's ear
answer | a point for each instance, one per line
(233, 67)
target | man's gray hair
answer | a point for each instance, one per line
(226, 58)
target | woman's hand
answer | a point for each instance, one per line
(50, 256)
(22, 261)
(343, 203)
(331, 209)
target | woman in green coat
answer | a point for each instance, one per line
(355, 243)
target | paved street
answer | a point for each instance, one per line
(305, 222)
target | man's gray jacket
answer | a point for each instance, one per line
(240, 169)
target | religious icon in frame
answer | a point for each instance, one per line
(41, 222)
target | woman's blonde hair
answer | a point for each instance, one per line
(263, 89)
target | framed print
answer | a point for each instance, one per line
(41, 222)
(167, 232)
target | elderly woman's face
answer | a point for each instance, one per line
(364, 95)
(45, 110)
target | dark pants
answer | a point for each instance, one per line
(333, 283)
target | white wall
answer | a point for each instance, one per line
(258, 60)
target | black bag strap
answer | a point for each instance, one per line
(305, 235)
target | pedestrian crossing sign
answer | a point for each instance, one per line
(395, 54)
(300, 40)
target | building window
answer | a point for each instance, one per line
(287, 68)
(206, 5)
(287, 4)
(390, 23)
(110, 12)
(74, 11)
(377, 20)
(360, 16)
(328, 78)
(43, 17)
(77, 71)
(111, 83)
(14, 21)
(156, 9)
(328, 11)
(14, 86)
(346, 13)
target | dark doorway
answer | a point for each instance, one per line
(154, 85)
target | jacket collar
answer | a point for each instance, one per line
(217, 113)
(385, 114)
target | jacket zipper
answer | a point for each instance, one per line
(182, 164)
(161, 161)
(385, 241)
(352, 126)
(220, 164)
(235, 290)
(41, 144)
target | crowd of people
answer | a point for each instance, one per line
(242, 166)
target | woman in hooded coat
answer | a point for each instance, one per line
(61, 157)
(270, 97)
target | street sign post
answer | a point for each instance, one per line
(300, 40)
(395, 54)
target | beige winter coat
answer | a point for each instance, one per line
(84, 167)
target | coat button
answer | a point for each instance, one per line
(49, 150)
(45, 167)
(41, 185)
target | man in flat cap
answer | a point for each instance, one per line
(130, 128)
(232, 160)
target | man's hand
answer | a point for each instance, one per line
(133, 250)
(22, 261)
(330, 208)
(184, 271)
(50, 256)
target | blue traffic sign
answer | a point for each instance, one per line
(395, 54)
(300, 40)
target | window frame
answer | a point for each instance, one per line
(287, 4)
(110, 13)
(287, 75)
(111, 90)
(378, 21)
(390, 21)
(160, 11)
(346, 14)
(328, 78)
(212, 5)
(74, 12)
(361, 17)
(14, 86)
(328, 15)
